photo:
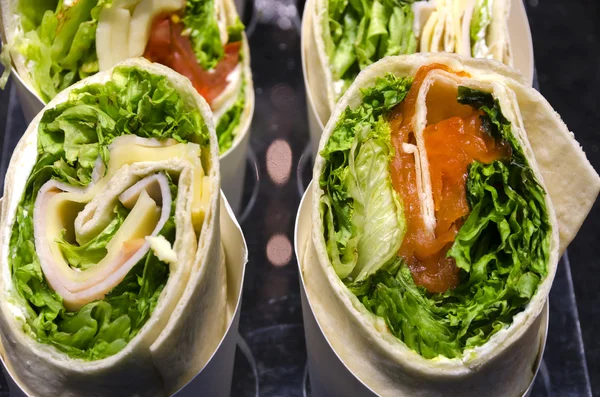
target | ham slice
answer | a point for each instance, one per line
(82, 213)
(58, 205)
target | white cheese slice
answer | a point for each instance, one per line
(201, 200)
(428, 33)
(112, 33)
(437, 39)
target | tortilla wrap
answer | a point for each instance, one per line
(193, 309)
(502, 365)
(240, 86)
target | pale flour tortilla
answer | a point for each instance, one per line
(502, 366)
(192, 313)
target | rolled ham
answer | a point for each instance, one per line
(150, 203)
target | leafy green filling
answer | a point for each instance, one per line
(201, 22)
(230, 120)
(378, 214)
(345, 212)
(59, 42)
(71, 136)
(235, 31)
(358, 33)
(502, 249)
(481, 20)
(87, 255)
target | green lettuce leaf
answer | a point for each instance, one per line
(344, 56)
(409, 314)
(201, 21)
(59, 42)
(481, 20)
(71, 136)
(401, 39)
(32, 12)
(230, 120)
(235, 31)
(378, 215)
(342, 234)
(85, 256)
(358, 33)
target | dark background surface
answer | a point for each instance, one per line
(567, 55)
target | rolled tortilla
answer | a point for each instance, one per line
(113, 272)
(360, 276)
(346, 39)
(78, 39)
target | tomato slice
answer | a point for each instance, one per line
(168, 46)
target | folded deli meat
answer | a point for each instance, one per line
(113, 275)
(55, 44)
(445, 191)
(344, 37)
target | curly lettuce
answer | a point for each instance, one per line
(229, 122)
(201, 22)
(358, 33)
(502, 249)
(480, 22)
(357, 154)
(71, 136)
(59, 42)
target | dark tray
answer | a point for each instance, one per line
(271, 356)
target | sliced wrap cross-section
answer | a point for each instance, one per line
(114, 278)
